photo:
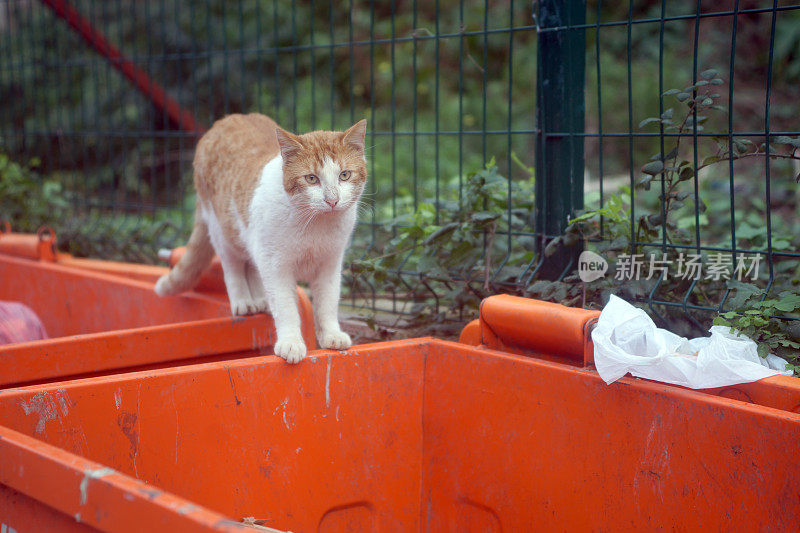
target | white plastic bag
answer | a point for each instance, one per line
(627, 340)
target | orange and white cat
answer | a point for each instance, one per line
(277, 208)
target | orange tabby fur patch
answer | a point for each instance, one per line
(311, 149)
(228, 163)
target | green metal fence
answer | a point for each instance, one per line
(111, 96)
(707, 128)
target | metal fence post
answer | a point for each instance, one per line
(560, 112)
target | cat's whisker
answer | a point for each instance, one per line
(376, 143)
(365, 209)
(309, 214)
(365, 217)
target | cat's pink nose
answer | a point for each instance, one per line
(332, 203)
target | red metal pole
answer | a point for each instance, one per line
(179, 116)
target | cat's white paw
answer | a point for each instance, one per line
(260, 306)
(163, 286)
(292, 349)
(249, 307)
(336, 340)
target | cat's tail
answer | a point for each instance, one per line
(197, 257)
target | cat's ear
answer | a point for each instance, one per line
(289, 142)
(356, 134)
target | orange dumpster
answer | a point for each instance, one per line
(510, 429)
(103, 316)
(415, 435)
(558, 333)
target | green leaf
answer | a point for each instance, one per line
(586, 216)
(441, 233)
(763, 148)
(571, 239)
(683, 96)
(763, 350)
(746, 231)
(788, 141)
(644, 182)
(552, 247)
(647, 121)
(484, 216)
(669, 92)
(719, 321)
(708, 74)
(682, 195)
(700, 119)
(744, 291)
(653, 168)
(788, 303)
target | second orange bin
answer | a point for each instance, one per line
(103, 316)
(418, 435)
(510, 429)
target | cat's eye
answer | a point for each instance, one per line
(312, 179)
(344, 175)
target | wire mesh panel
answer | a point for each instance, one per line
(665, 139)
(111, 97)
(692, 151)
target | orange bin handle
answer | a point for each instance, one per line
(525, 325)
(39, 247)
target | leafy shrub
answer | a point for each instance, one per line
(675, 212)
(451, 254)
(771, 322)
(27, 200)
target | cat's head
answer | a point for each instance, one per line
(324, 171)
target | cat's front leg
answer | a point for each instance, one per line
(234, 271)
(281, 290)
(325, 290)
(257, 292)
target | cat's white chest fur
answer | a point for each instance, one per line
(287, 235)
